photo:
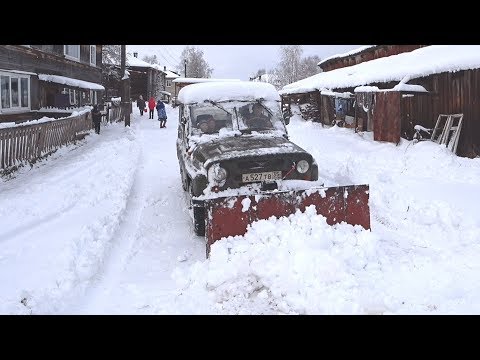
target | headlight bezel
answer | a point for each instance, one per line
(302, 166)
(217, 175)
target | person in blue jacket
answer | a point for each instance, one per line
(162, 115)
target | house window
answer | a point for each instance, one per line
(15, 91)
(72, 51)
(93, 55)
(169, 82)
(14, 86)
(5, 85)
(25, 91)
(72, 95)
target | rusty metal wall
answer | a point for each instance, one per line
(387, 117)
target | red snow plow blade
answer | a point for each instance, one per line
(224, 215)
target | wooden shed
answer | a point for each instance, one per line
(362, 54)
(415, 88)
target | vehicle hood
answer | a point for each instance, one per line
(225, 148)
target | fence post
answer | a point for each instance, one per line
(41, 139)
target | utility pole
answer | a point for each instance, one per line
(185, 67)
(125, 84)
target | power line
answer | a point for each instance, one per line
(174, 59)
(164, 58)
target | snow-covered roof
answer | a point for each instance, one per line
(133, 61)
(165, 92)
(409, 87)
(421, 62)
(351, 52)
(366, 88)
(70, 82)
(336, 94)
(170, 74)
(200, 80)
(228, 90)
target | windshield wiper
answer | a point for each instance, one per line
(220, 107)
(259, 101)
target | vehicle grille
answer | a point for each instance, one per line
(255, 165)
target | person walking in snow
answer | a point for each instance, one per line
(162, 115)
(151, 107)
(141, 104)
(96, 118)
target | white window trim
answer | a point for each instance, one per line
(95, 55)
(169, 83)
(19, 108)
(72, 94)
(70, 56)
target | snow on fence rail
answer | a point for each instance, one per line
(23, 143)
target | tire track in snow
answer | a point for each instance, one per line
(124, 238)
(154, 237)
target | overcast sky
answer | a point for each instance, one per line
(234, 61)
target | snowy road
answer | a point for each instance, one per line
(98, 227)
(155, 234)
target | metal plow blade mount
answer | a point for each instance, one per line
(224, 215)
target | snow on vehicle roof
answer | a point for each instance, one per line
(200, 80)
(421, 62)
(223, 91)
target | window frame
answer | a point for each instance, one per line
(94, 53)
(19, 77)
(71, 57)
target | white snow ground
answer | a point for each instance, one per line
(102, 227)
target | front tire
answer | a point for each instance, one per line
(199, 220)
(198, 214)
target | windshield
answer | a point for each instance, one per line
(244, 116)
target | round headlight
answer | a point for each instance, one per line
(302, 166)
(217, 175)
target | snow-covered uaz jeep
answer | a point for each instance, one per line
(232, 136)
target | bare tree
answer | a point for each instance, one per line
(151, 59)
(289, 68)
(111, 54)
(197, 67)
(309, 67)
(111, 74)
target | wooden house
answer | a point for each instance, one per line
(48, 80)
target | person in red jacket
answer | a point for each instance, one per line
(151, 107)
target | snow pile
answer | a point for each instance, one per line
(294, 265)
(419, 258)
(59, 221)
(45, 119)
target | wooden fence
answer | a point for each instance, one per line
(27, 143)
(113, 113)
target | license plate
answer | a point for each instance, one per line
(264, 176)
